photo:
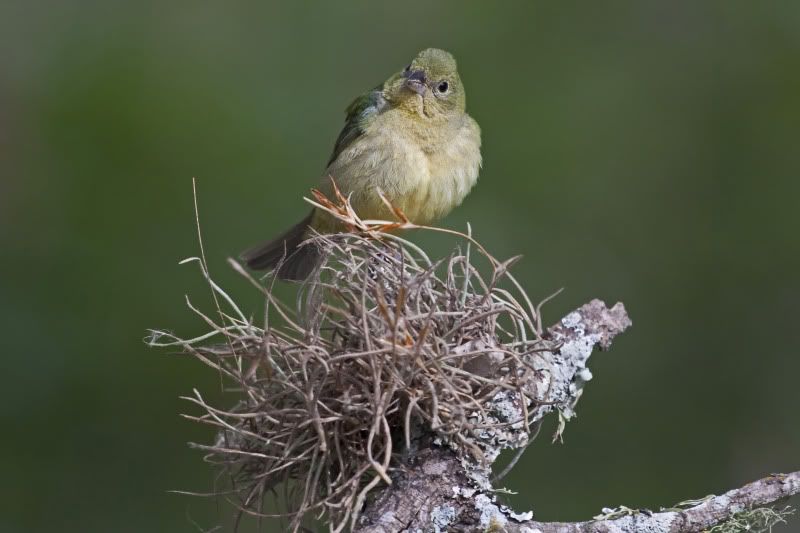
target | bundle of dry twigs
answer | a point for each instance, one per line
(388, 348)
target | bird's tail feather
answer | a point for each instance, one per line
(294, 259)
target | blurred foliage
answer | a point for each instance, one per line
(635, 151)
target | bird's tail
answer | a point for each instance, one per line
(294, 258)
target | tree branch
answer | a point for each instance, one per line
(440, 490)
(702, 516)
(431, 494)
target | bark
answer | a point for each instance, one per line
(445, 488)
(435, 495)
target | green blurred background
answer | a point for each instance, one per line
(637, 151)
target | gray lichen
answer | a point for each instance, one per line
(441, 517)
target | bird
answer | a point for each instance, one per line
(410, 139)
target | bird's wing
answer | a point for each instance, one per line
(358, 114)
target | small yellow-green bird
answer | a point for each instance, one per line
(410, 138)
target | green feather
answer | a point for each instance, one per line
(359, 112)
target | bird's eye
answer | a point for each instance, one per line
(442, 87)
(408, 67)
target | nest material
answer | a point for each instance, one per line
(390, 349)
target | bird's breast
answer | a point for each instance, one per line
(425, 180)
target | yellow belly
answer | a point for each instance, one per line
(425, 184)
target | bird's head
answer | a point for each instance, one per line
(429, 85)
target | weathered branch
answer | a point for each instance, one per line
(705, 514)
(431, 494)
(438, 491)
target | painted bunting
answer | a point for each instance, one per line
(411, 138)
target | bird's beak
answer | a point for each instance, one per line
(415, 80)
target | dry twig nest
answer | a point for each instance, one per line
(391, 349)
